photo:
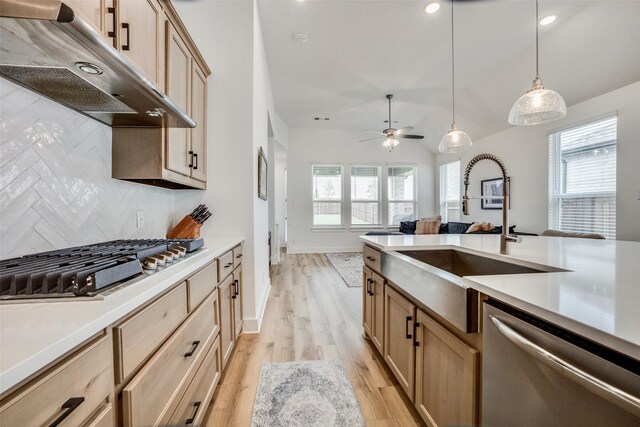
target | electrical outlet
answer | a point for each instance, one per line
(140, 219)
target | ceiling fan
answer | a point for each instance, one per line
(391, 134)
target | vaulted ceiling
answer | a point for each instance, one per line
(358, 51)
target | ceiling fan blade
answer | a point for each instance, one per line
(375, 131)
(403, 130)
(411, 136)
(371, 139)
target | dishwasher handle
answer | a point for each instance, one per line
(620, 398)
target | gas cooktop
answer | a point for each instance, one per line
(87, 270)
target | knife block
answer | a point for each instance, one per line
(186, 229)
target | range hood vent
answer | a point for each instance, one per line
(47, 48)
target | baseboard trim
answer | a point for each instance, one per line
(253, 325)
(326, 250)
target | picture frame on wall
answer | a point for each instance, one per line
(492, 187)
(262, 174)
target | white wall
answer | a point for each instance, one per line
(240, 106)
(280, 192)
(56, 189)
(332, 146)
(524, 150)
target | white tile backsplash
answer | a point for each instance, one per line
(56, 188)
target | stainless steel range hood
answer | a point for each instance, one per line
(49, 49)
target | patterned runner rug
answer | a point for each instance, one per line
(349, 266)
(310, 393)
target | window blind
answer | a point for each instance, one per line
(582, 178)
(450, 191)
(401, 185)
(365, 189)
(327, 195)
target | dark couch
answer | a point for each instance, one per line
(409, 227)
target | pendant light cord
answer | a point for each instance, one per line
(537, 53)
(453, 73)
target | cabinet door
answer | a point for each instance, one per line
(446, 376)
(139, 36)
(237, 302)
(100, 14)
(199, 114)
(178, 86)
(376, 288)
(398, 345)
(367, 311)
(225, 291)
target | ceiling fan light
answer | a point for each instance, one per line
(538, 105)
(454, 141)
(390, 142)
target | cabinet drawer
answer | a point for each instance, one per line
(104, 417)
(193, 405)
(225, 266)
(138, 336)
(147, 398)
(87, 374)
(371, 258)
(237, 256)
(202, 284)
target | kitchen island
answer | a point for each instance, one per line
(464, 328)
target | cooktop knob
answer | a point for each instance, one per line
(150, 263)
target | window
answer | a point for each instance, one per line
(582, 178)
(365, 193)
(401, 181)
(450, 191)
(327, 195)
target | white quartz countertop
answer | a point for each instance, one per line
(34, 334)
(598, 297)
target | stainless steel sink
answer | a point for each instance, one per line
(435, 279)
(465, 264)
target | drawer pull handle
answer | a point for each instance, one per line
(406, 327)
(195, 345)
(191, 161)
(239, 256)
(69, 406)
(229, 264)
(195, 160)
(416, 325)
(370, 258)
(126, 26)
(193, 417)
(369, 287)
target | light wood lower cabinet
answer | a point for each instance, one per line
(373, 294)
(446, 376)
(367, 309)
(104, 418)
(76, 387)
(237, 302)
(148, 397)
(227, 329)
(398, 345)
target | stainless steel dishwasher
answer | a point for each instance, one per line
(536, 374)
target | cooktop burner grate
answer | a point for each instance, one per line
(82, 270)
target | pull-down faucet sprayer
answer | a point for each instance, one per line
(505, 237)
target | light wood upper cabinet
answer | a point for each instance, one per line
(140, 32)
(100, 14)
(398, 343)
(198, 113)
(446, 376)
(178, 84)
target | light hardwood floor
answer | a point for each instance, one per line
(311, 314)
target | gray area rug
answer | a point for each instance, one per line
(310, 393)
(349, 265)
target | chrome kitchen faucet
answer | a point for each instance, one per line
(505, 237)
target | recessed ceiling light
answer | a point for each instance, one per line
(301, 37)
(432, 7)
(547, 20)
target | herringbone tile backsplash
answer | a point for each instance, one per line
(56, 188)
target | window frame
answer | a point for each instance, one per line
(378, 201)
(332, 201)
(557, 176)
(386, 196)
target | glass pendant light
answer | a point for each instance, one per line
(539, 104)
(455, 140)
